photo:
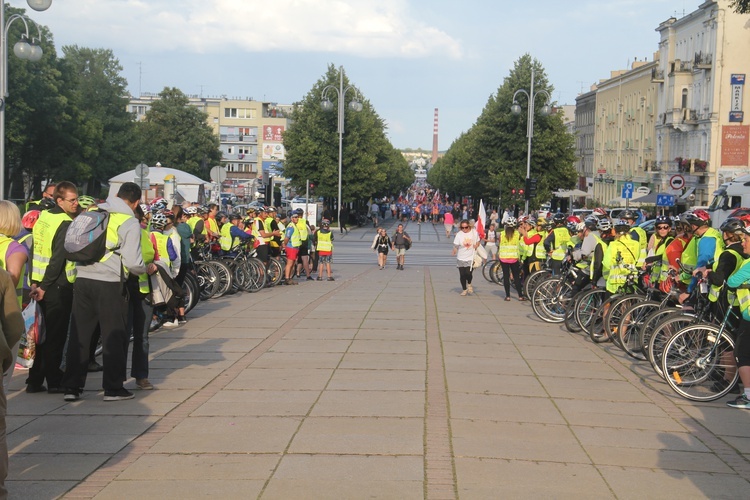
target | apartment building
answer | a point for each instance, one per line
(700, 133)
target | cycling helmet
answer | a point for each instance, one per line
(511, 222)
(168, 213)
(291, 213)
(325, 223)
(299, 211)
(599, 211)
(662, 219)
(733, 225)
(220, 215)
(628, 215)
(191, 210)
(573, 219)
(46, 204)
(558, 218)
(697, 217)
(621, 226)
(234, 216)
(85, 201)
(524, 219)
(29, 219)
(573, 227)
(159, 220)
(144, 208)
(158, 204)
(591, 222)
(203, 210)
(604, 225)
(541, 221)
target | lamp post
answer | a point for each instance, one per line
(327, 105)
(516, 110)
(23, 50)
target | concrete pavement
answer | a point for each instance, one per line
(382, 384)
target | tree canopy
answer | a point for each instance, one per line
(491, 156)
(371, 166)
(741, 6)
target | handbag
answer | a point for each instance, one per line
(34, 323)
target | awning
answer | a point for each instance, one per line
(687, 193)
(569, 193)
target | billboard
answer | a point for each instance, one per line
(735, 140)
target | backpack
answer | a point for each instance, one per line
(85, 241)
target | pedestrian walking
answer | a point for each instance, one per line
(448, 224)
(381, 244)
(464, 248)
(491, 242)
(400, 242)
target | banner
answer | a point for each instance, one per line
(735, 140)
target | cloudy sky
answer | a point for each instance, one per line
(407, 57)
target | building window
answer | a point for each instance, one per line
(684, 99)
(230, 150)
(230, 112)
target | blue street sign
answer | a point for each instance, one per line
(665, 200)
(627, 193)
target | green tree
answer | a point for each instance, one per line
(741, 6)
(177, 135)
(107, 148)
(370, 164)
(492, 154)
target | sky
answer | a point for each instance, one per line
(407, 57)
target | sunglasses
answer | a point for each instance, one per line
(464, 227)
(663, 227)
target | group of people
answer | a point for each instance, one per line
(400, 242)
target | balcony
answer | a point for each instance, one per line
(678, 66)
(657, 75)
(702, 61)
(690, 116)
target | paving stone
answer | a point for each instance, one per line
(281, 379)
(310, 346)
(638, 483)
(383, 361)
(209, 467)
(483, 383)
(258, 403)
(619, 415)
(377, 380)
(687, 461)
(370, 403)
(38, 489)
(637, 438)
(573, 369)
(503, 408)
(197, 488)
(360, 436)
(389, 346)
(300, 360)
(582, 389)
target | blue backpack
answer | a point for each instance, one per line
(86, 238)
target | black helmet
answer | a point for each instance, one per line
(591, 222)
(220, 215)
(628, 215)
(732, 225)
(621, 226)
(46, 204)
(558, 218)
(697, 217)
(662, 219)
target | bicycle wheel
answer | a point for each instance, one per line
(256, 275)
(207, 279)
(486, 269)
(587, 306)
(224, 278)
(533, 281)
(649, 323)
(629, 327)
(496, 273)
(615, 312)
(550, 299)
(191, 290)
(596, 327)
(570, 313)
(699, 363)
(275, 273)
(661, 335)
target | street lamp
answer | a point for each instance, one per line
(516, 110)
(327, 105)
(23, 49)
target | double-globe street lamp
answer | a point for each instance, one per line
(27, 48)
(327, 105)
(516, 110)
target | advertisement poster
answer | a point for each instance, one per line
(735, 142)
(273, 151)
(273, 133)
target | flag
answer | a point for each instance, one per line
(481, 219)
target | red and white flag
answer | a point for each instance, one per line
(481, 219)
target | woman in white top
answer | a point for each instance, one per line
(491, 242)
(464, 247)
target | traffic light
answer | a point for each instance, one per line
(520, 192)
(513, 191)
(530, 188)
(312, 188)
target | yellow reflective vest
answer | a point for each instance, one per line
(562, 241)
(509, 248)
(325, 242)
(44, 234)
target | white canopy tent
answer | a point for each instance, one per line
(575, 193)
(189, 187)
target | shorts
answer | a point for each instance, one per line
(303, 251)
(324, 259)
(291, 253)
(400, 251)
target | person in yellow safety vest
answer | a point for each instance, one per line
(557, 241)
(729, 262)
(292, 242)
(231, 234)
(533, 242)
(98, 300)
(323, 242)
(166, 251)
(621, 257)
(52, 278)
(657, 247)
(212, 225)
(48, 194)
(304, 249)
(705, 247)
(509, 251)
(637, 232)
(740, 280)
(196, 224)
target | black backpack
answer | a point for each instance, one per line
(86, 239)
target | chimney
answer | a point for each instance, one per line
(435, 138)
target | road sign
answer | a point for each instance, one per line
(141, 170)
(665, 200)
(677, 181)
(218, 174)
(143, 182)
(627, 190)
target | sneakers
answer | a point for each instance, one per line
(330, 278)
(181, 320)
(94, 367)
(144, 384)
(310, 278)
(290, 282)
(72, 395)
(155, 325)
(469, 288)
(33, 388)
(171, 324)
(120, 394)
(320, 278)
(740, 402)
(464, 293)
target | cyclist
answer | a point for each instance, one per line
(704, 248)
(621, 256)
(739, 280)
(657, 246)
(556, 242)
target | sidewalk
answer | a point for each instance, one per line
(382, 384)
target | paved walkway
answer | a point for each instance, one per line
(382, 384)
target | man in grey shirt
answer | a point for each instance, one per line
(100, 298)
